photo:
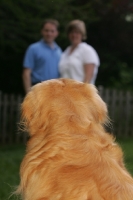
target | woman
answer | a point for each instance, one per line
(80, 60)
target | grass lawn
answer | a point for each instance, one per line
(10, 159)
(11, 156)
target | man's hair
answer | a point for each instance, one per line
(51, 21)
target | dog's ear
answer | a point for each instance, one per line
(35, 111)
(27, 107)
(98, 108)
(28, 110)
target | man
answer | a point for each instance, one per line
(42, 58)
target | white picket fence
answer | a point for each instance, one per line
(120, 106)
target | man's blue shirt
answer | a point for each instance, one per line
(43, 61)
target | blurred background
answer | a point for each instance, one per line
(109, 26)
(110, 31)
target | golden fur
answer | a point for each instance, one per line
(69, 154)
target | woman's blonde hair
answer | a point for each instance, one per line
(78, 25)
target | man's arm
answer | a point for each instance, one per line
(88, 71)
(26, 76)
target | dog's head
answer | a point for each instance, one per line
(62, 102)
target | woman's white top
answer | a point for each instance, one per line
(72, 64)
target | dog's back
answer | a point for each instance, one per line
(69, 155)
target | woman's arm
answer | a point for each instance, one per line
(88, 72)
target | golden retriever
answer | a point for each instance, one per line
(69, 155)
